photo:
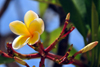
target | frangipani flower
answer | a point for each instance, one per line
(29, 32)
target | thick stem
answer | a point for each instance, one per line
(75, 62)
(41, 49)
(12, 52)
(42, 62)
(53, 55)
(38, 47)
(52, 45)
(4, 54)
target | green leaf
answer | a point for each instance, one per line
(88, 12)
(95, 26)
(97, 3)
(76, 18)
(98, 9)
(54, 2)
(53, 35)
(98, 54)
(88, 4)
(42, 8)
(80, 5)
(45, 37)
(94, 22)
(4, 60)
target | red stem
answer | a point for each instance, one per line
(44, 53)
(42, 62)
(76, 62)
(52, 45)
(56, 41)
(53, 55)
(4, 54)
(41, 46)
(36, 55)
(50, 57)
(41, 49)
(11, 51)
(65, 24)
(68, 32)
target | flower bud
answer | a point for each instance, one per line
(68, 16)
(20, 61)
(89, 47)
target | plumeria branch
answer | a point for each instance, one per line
(12, 53)
(62, 35)
(45, 53)
(58, 59)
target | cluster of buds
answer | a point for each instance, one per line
(45, 53)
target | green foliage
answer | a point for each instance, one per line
(45, 37)
(76, 18)
(55, 2)
(53, 35)
(94, 22)
(85, 16)
(5, 60)
(85, 23)
(88, 12)
(98, 53)
(42, 8)
(95, 26)
(80, 5)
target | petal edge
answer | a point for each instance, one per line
(29, 17)
(36, 25)
(18, 28)
(35, 38)
(20, 41)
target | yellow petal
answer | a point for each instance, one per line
(36, 25)
(34, 38)
(29, 17)
(20, 41)
(18, 28)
